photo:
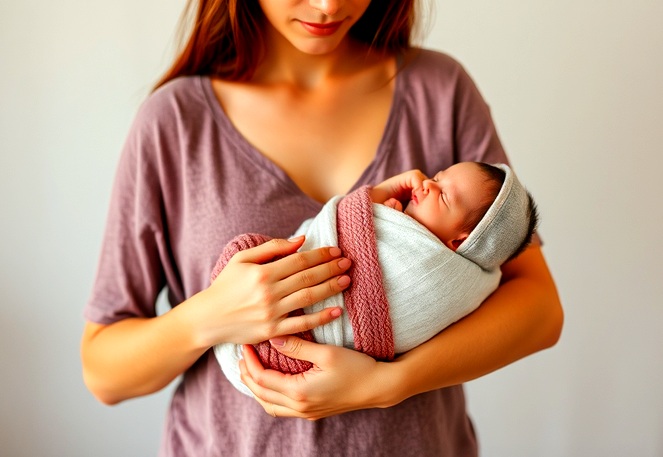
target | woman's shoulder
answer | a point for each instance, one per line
(423, 64)
(435, 78)
(180, 95)
(174, 114)
(170, 118)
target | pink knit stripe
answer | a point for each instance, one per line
(365, 299)
(239, 243)
(270, 357)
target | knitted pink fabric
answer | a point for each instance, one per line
(365, 299)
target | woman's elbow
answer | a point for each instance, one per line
(94, 379)
(97, 383)
(553, 321)
(535, 281)
(103, 396)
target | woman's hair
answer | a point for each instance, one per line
(225, 37)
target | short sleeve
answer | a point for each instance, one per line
(475, 134)
(130, 272)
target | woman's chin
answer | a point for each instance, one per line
(317, 47)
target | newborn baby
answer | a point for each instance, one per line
(434, 262)
(452, 202)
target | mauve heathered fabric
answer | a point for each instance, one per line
(188, 182)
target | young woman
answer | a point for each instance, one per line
(273, 107)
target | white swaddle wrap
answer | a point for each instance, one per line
(428, 286)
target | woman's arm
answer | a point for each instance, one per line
(248, 302)
(521, 317)
(137, 356)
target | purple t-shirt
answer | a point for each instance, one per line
(188, 182)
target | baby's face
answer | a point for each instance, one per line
(443, 203)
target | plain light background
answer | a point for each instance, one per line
(576, 90)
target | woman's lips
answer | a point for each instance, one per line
(318, 29)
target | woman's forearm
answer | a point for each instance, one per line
(522, 317)
(137, 356)
(250, 301)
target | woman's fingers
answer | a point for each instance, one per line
(311, 267)
(341, 380)
(310, 295)
(275, 288)
(267, 251)
(258, 379)
(305, 260)
(313, 276)
(338, 377)
(263, 381)
(297, 324)
(300, 349)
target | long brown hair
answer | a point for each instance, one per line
(225, 39)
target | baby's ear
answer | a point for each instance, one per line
(455, 244)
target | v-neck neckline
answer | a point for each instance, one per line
(260, 159)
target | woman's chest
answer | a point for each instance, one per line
(323, 141)
(219, 186)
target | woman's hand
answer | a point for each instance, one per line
(248, 303)
(398, 187)
(341, 380)
(250, 300)
(521, 317)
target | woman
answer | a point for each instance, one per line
(290, 103)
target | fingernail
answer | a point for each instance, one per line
(334, 251)
(278, 342)
(343, 281)
(335, 312)
(344, 263)
(296, 239)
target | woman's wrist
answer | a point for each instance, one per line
(192, 322)
(399, 380)
(388, 385)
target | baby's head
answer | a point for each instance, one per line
(479, 210)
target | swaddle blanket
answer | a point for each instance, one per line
(406, 286)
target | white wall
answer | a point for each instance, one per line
(575, 88)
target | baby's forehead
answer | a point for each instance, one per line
(461, 169)
(468, 175)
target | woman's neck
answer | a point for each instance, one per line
(284, 63)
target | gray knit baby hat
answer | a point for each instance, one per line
(502, 229)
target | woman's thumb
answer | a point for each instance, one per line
(294, 347)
